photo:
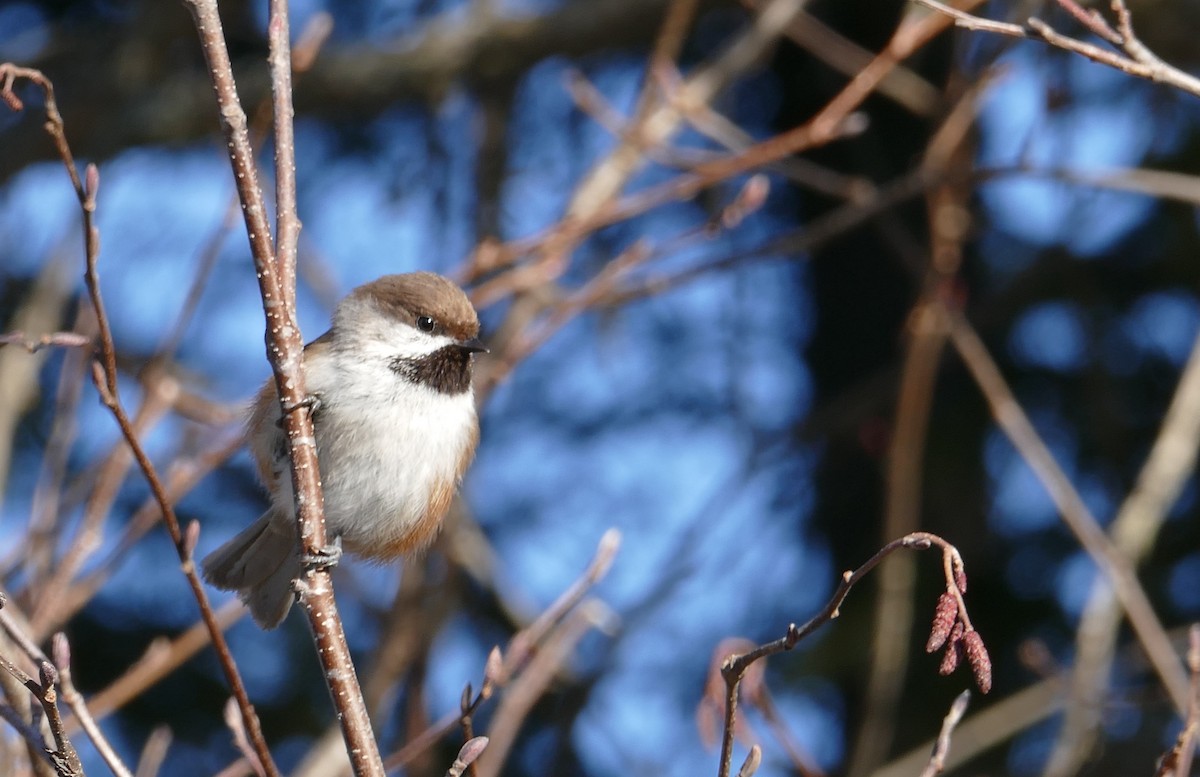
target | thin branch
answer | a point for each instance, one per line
(161, 657)
(752, 762)
(285, 351)
(502, 668)
(1134, 58)
(54, 339)
(1178, 760)
(735, 666)
(237, 727)
(287, 222)
(526, 639)
(937, 761)
(62, 756)
(74, 700)
(1171, 461)
(543, 667)
(154, 752)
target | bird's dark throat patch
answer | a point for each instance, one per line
(446, 370)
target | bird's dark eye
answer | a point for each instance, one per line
(425, 323)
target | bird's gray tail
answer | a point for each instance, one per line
(260, 564)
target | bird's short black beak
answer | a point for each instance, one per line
(474, 345)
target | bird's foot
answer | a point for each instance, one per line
(312, 402)
(324, 558)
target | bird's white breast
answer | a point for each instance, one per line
(385, 444)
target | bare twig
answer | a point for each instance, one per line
(735, 666)
(1134, 59)
(287, 222)
(500, 668)
(937, 761)
(65, 759)
(237, 727)
(181, 477)
(74, 700)
(752, 762)
(44, 517)
(524, 641)
(985, 728)
(49, 613)
(40, 311)
(162, 657)
(529, 686)
(1177, 762)
(154, 752)
(54, 339)
(1172, 459)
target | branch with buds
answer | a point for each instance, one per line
(950, 617)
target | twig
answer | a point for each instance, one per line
(1177, 762)
(1092, 19)
(524, 641)
(285, 351)
(986, 728)
(104, 375)
(182, 476)
(32, 737)
(49, 614)
(154, 752)
(44, 513)
(237, 727)
(40, 310)
(937, 761)
(735, 666)
(1135, 59)
(65, 759)
(55, 339)
(1172, 459)
(287, 222)
(162, 657)
(501, 668)
(492, 677)
(526, 689)
(74, 700)
(467, 723)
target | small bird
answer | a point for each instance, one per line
(394, 417)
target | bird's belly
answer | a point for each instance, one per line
(388, 481)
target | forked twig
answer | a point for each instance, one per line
(1134, 58)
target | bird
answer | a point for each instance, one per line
(390, 390)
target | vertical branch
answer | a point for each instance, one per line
(287, 223)
(285, 353)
